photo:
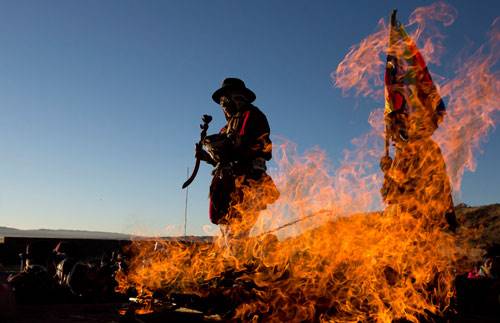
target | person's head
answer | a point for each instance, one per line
(232, 102)
(34, 254)
(232, 95)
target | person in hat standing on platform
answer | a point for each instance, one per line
(240, 186)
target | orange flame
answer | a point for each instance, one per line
(361, 69)
(334, 262)
(471, 93)
(473, 101)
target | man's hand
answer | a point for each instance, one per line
(201, 154)
(385, 163)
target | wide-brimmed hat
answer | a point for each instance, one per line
(232, 84)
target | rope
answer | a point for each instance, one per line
(293, 222)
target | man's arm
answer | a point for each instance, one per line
(201, 154)
(254, 137)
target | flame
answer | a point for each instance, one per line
(362, 68)
(426, 20)
(471, 93)
(332, 266)
(316, 253)
(473, 101)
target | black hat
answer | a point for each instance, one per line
(232, 84)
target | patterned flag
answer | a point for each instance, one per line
(413, 106)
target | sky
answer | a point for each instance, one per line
(100, 101)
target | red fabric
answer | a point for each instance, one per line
(397, 101)
(211, 210)
(242, 130)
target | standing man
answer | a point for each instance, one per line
(240, 186)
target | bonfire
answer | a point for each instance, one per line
(322, 252)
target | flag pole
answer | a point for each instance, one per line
(186, 206)
(392, 24)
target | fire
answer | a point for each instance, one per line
(473, 96)
(471, 93)
(316, 253)
(361, 70)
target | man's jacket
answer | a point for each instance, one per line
(248, 147)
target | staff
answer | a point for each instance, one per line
(204, 127)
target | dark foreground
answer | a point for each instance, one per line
(94, 313)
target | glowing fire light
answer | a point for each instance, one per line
(341, 264)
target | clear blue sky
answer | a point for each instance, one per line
(100, 100)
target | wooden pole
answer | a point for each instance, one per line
(186, 207)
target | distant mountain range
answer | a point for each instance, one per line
(81, 234)
(487, 217)
(62, 234)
